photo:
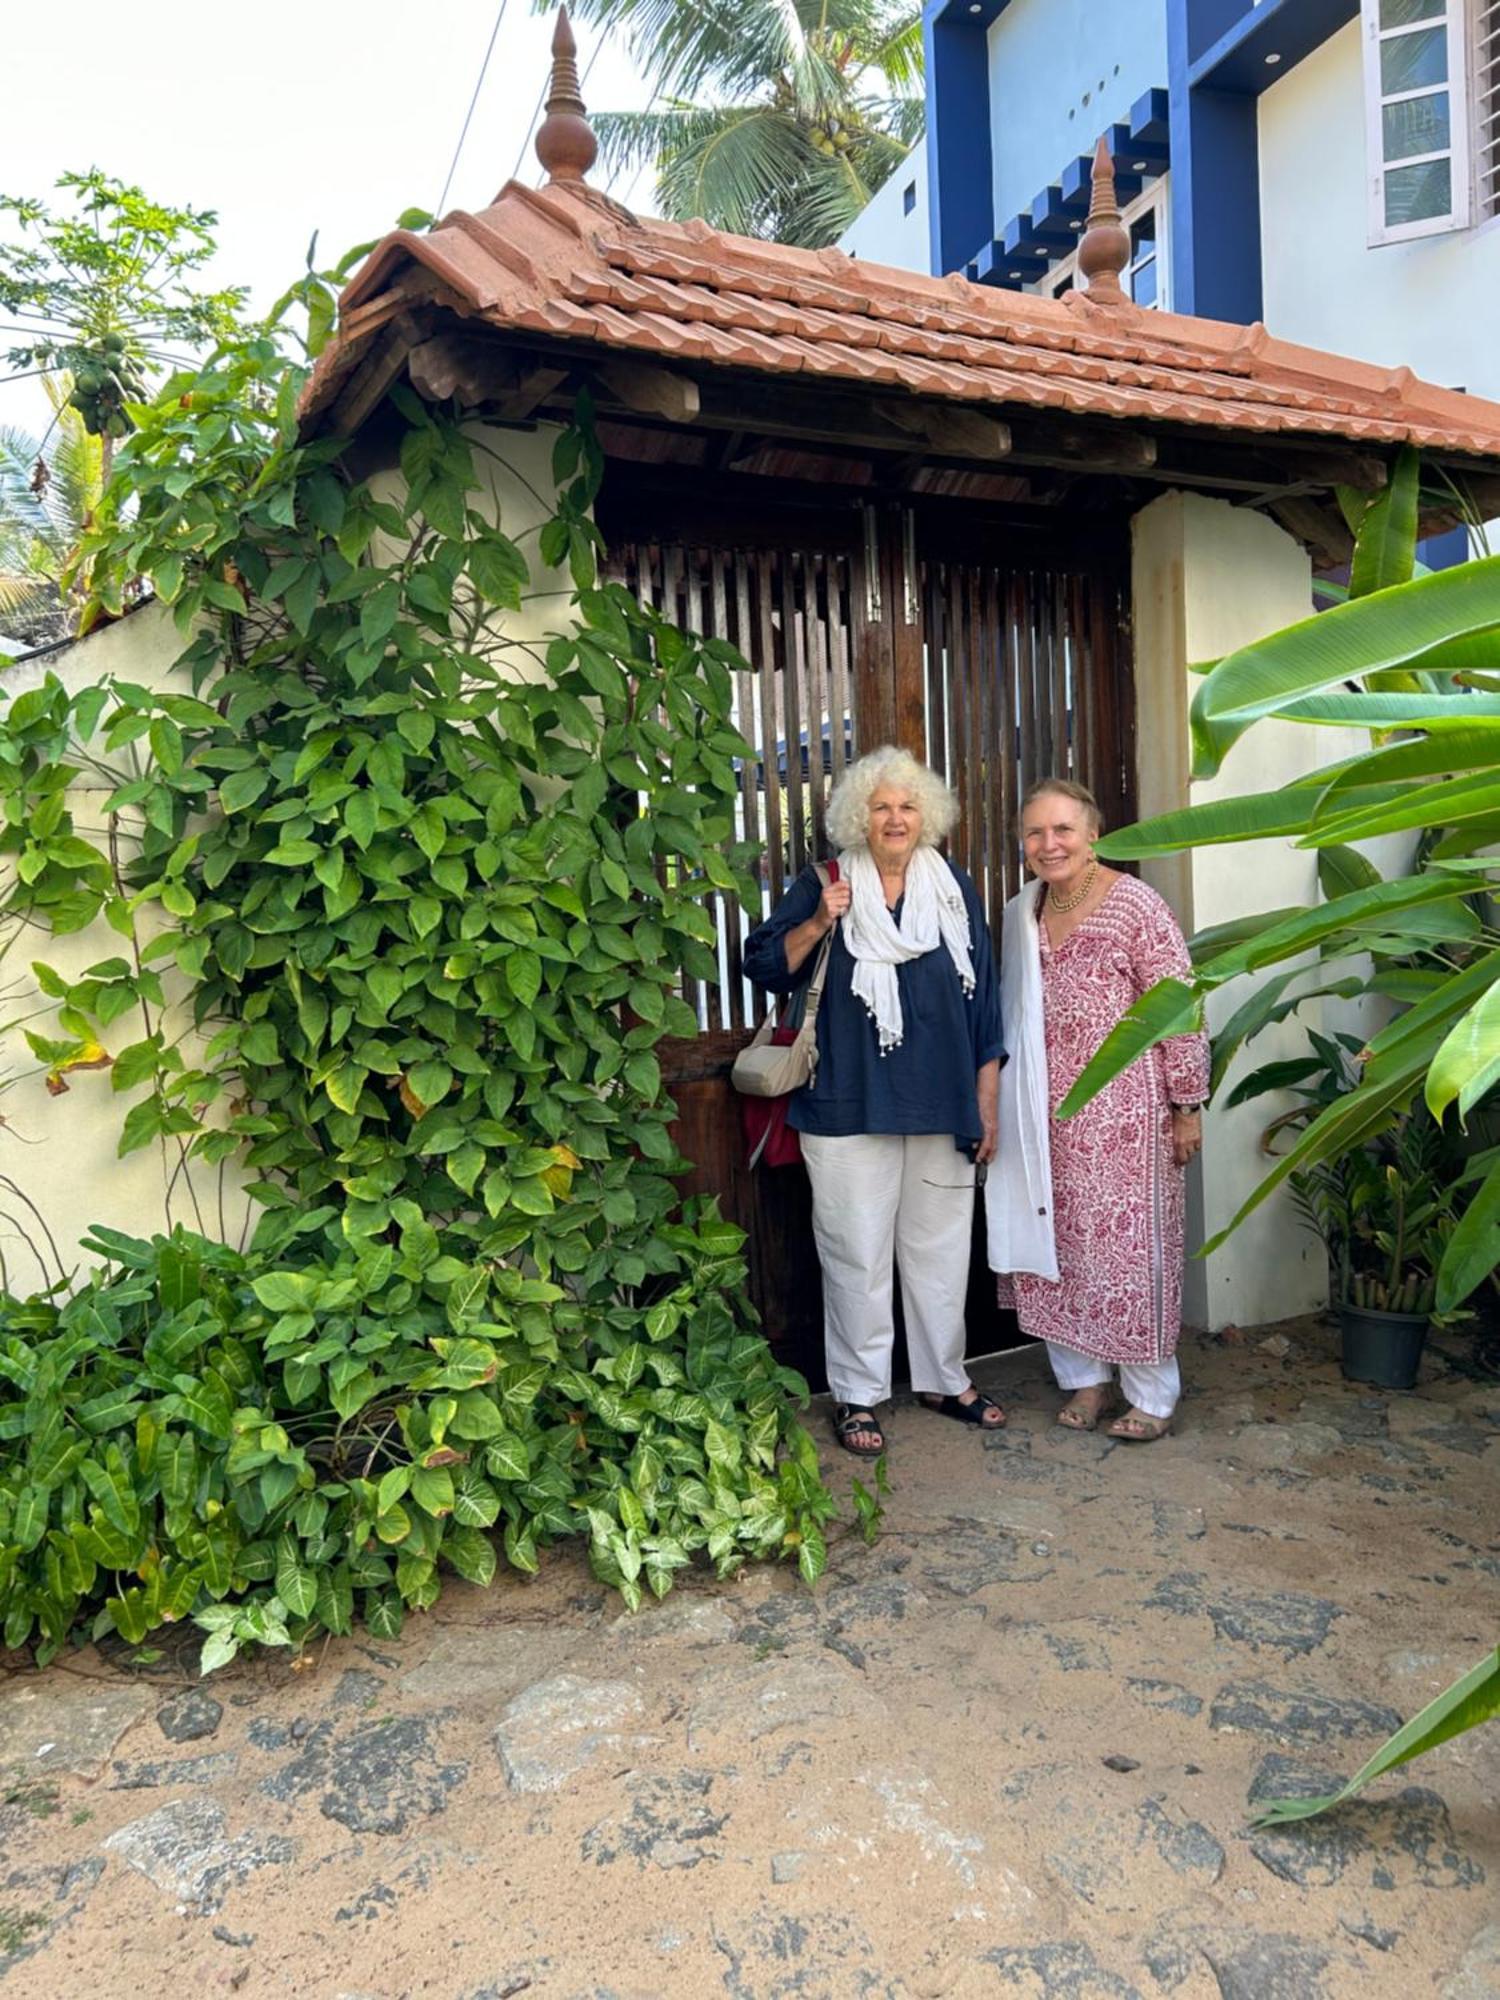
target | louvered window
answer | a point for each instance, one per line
(1432, 103)
(1487, 108)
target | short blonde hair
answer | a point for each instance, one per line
(1066, 788)
(849, 808)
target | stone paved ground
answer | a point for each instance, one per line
(1007, 1751)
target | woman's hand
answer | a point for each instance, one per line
(835, 904)
(988, 1081)
(1187, 1135)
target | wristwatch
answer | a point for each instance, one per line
(1183, 1110)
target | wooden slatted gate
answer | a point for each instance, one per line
(996, 650)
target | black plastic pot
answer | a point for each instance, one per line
(1384, 1348)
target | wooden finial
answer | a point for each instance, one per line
(1104, 248)
(565, 143)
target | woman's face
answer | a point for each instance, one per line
(895, 824)
(1058, 836)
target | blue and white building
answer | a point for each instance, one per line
(1329, 167)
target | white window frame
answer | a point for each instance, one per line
(1454, 18)
(1155, 196)
(1485, 72)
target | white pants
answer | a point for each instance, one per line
(881, 1194)
(1150, 1386)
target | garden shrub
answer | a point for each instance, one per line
(428, 922)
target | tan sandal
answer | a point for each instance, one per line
(1135, 1427)
(1083, 1411)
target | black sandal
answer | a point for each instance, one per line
(848, 1420)
(966, 1413)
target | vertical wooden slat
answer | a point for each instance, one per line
(840, 620)
(935, 634)
(791, 712)
(770, 719)
(1008, 791)
(817, 582)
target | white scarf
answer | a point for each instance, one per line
(1018, 1193)
(933, 913)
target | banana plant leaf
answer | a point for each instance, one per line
(1468, 1059)
(1473, 1250)
(1423, 1026)
(1385, 546)
(1472, 1699)
(1367, 635)
(1274, 1076)
(1365, 909)
(1341, 870)
(1214, 938)
(1170, 1007)
(1395, 711)
(1266, 1006)
(1257, 816)
(1450, 802)
(1476, 748)
(1347, 1123)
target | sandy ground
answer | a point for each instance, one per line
(1007, 1750)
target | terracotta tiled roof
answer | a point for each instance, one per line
(566, 263)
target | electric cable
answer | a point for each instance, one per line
(469, 114)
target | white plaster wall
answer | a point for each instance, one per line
(1061, 71)
(1430, 305)
(60, 1152)
(1208, 577)
(883, 233)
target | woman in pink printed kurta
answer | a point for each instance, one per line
(1117, 1191)
(1086, 1220)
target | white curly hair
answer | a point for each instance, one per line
(849, 808)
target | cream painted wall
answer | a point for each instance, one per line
(1430, 305)
(61, 1151)
(884, 232)
(1208, 577)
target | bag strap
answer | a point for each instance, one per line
(826, 873)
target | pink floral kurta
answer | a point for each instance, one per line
(1117, 1193)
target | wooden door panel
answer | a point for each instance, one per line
(995, 648)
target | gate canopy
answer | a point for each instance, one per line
(968, 389)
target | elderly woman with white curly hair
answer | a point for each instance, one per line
(902, 1107)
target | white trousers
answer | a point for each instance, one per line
(1150, 1386)
(877, 1195)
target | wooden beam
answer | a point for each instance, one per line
(652, 392)
(366, 388)
(1043, 440)
(957, 432)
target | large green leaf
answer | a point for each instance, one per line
(1472, 1699)
(1396, 711)
(1385, 546)
(1258, 816)
(1347, 1123)
(1368, 635)
(1170, 1008)
(1473, 1250)
(1449, 802)
(1342, 870)
(1363, 910)
(1468, 1061)
(1475, 748)
(1420, 1030)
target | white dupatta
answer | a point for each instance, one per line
(1018, 1193)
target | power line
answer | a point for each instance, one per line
(468, 115)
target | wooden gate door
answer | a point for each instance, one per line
(995, 652)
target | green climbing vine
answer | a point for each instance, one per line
(402, 906)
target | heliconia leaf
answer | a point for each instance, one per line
(1468, 1061)
(1472, 1699)
(1364, 909)
(1473, 1250)
(1368, 635)
(1171, 1007)
(1259, 816)
(1342, 709)
(1385, 544)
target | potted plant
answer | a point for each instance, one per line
(1385, 1211)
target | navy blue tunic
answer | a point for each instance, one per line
(927, 1083)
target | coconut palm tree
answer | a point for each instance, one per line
(776, 118)
(49, 488)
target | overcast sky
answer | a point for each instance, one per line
(285, 117)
